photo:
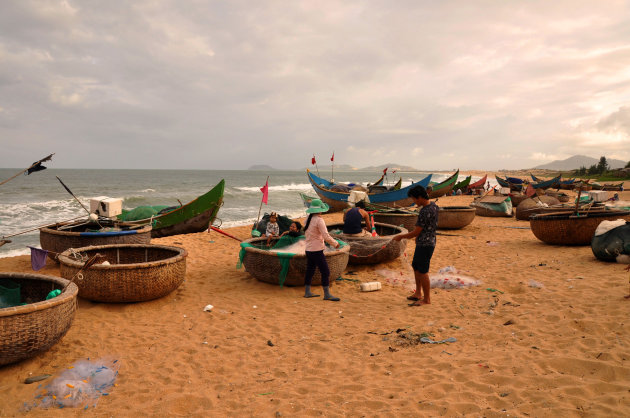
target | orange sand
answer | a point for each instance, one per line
(565, 353)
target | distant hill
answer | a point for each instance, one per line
(261, 167)
(390, 167)
(577, 161)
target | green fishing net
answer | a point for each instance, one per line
(142, 212)
(283, 257)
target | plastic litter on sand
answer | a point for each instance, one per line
(79, 386)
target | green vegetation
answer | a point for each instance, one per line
(600, 172)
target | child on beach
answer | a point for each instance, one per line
(316, 233)
(425, 231)
(273, 230)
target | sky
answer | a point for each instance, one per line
(202, 84)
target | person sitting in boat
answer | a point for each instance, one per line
(273, 229)
(352, 220)
(295, 230)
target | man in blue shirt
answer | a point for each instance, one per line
(426, 228)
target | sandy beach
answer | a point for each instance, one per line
(546, 333)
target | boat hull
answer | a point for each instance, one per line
(338, 201)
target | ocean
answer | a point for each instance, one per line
(29, 202)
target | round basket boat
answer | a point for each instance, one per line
(57, 240)
(529, 207)
(135, 273)
(455, 217)
(372, 250)
(26, 330)
(517, 199)
(266, 265)
(405, 219)
(571, 229)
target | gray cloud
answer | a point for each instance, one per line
(231, 84)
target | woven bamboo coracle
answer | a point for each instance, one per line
(455, 217)
(373, 250)
(569, 229)
(57, 241)
(136, 272)
(517, 198)
(265, 265)
(529, 207)
(29, 329)
(406, 220)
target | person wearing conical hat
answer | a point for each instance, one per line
(316, 234)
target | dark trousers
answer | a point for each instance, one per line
(316, 259)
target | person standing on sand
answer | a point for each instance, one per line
(316, 233)
(425, 231)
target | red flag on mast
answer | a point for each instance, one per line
(385, 171)
(313, 160)
(265, 192)
(333, 157)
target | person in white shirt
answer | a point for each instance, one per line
(316, 233)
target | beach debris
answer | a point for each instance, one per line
(80, 385)
(270, 344)
(489, 289)
(492, 243)
(34, 379)
(509, 322)
(537, 285)
(427, 340)
(208, 308)
(370, 286)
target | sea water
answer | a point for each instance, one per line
(29, 202)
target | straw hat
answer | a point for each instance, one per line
(317, 206)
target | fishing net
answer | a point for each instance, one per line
(79, 386)
(285, 248)
(143, 212)
(364, 246)
(446, 278)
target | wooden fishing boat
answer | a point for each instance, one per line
(479, 184)
(463, 185)
(455, 217)
(339, 200)
(571, 228)
(372, 250)
(567, 184)
(194, 216)
(613, 187)
(443, 188)
(494, 206)
(547, 183)
(59, 237)
(505, 183)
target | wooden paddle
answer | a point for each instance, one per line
(224, 233)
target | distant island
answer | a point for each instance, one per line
(262, 167)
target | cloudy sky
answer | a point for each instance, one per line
(209, 84)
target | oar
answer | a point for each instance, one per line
(225, 233)
(72, 194)
(32, 165)
(4, 241)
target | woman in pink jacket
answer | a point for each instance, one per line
(316, 233)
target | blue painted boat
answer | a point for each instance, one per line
(547, 183)
(506, 183)
(339, 200)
